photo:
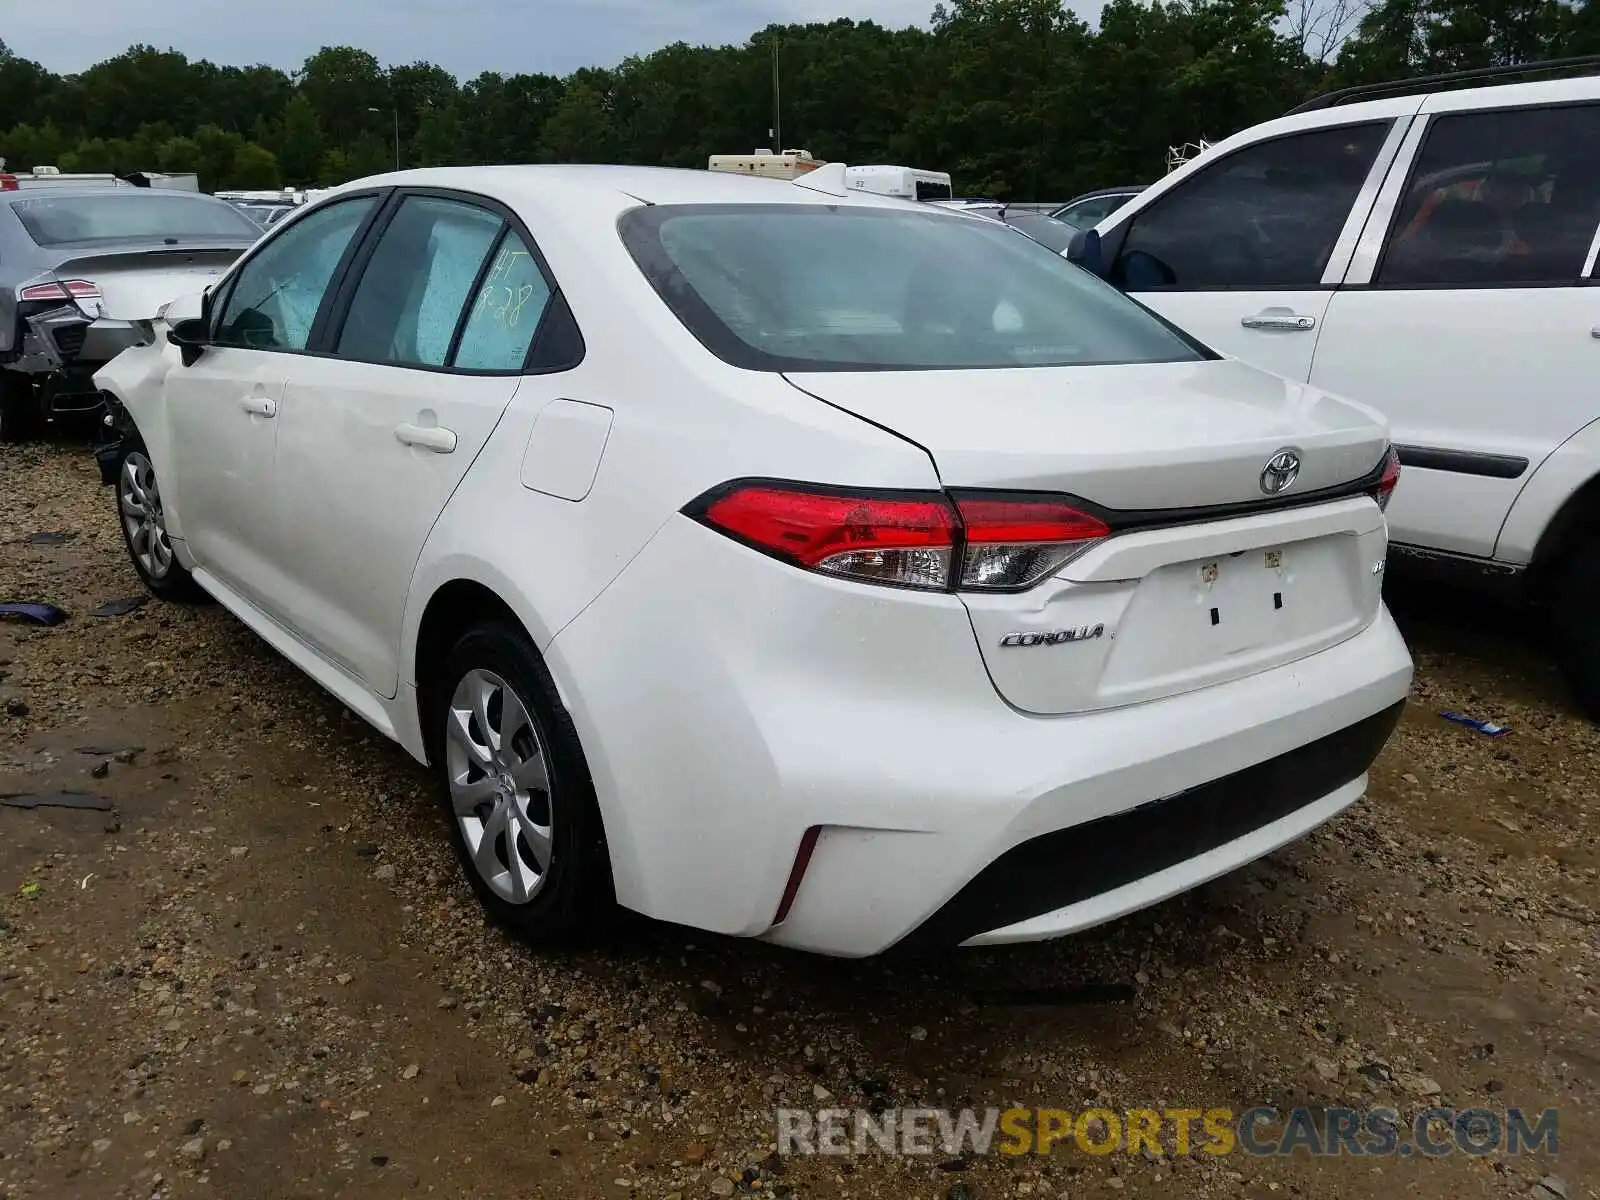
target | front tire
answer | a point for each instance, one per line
(1575, 621)
(523, 816)
(143, 522)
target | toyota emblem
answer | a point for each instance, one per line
(1282, 469)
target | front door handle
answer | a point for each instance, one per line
(259, 406)
(427, 437)
(1285, 319)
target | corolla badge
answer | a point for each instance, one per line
(1054, 637)
(1282, 469)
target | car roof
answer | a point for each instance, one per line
(70, 191)
(622, 186)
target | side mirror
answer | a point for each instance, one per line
(187, 326)
(190, 337)
(1084, 251)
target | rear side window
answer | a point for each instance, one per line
(505, 312)
(130, 215)
(814, 287)
(276, 295)
(1502, 197)
(1266, 216)
(417, 282)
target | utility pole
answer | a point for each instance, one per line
(777, 102)
(396, 113)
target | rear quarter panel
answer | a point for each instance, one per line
(682, 423)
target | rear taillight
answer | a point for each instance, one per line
(1011, 544)
(904, 540)
(921, 540)
(1390, 477)
(61, 289)
(8, 183)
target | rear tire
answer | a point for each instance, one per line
(143, 522)
(1575, 620)
(21, 410)
(522, 811)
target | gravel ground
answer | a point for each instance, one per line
(258, 973)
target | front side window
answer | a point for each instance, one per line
(1500, 197)
(417, 283)
(275, 297)
(506, 311)
(815, 287)
(1265, 216)
(130, 215)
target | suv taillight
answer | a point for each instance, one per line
(1390, 477)
(8, 183)
(61, 289)
(924, 540)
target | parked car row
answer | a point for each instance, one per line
(670, 517)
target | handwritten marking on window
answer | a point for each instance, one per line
(503, 299)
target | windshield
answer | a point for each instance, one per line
(132, 215)
(814, 287)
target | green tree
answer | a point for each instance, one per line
(255, 167)
(299, 142)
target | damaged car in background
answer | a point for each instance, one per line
(82, 273)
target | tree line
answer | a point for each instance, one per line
(1015, 98)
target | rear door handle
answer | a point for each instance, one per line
(427, 437)
(259, 406)
(1285, 319)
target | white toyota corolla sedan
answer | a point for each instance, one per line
(784, 562)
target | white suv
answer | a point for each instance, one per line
(1431, 255)
(805, 564)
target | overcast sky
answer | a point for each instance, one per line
(463, 36)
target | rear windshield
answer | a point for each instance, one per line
(130, 216)
(811, 287)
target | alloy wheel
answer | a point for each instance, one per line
(139, 499)
(499, 786)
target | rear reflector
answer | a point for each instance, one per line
(61, 289)
(802, 860)
(1002, 543)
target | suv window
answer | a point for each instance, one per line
(1266, 216)
(1499, 197)
(274, 299)
(415, 286)
(506, 312)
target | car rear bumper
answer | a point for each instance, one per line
(729, 704)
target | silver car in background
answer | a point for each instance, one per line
(83, 270)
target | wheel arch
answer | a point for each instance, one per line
(458, 595)
(1576, 521)
(1557, 509)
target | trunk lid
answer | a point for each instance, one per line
(1203, 580)
(135, 284)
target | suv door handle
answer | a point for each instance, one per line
(259, 406)
(427, 437)
(1285, 319)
